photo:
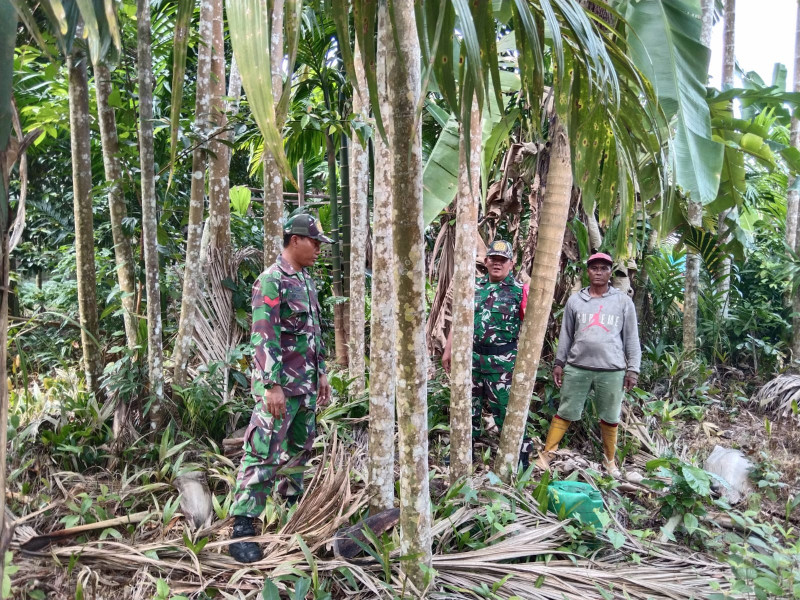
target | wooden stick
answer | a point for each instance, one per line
(42, 541)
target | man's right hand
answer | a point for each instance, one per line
(446, 356)
(276, 402)
(558, 375)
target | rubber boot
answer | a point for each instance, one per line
(608, 433)
(525, 453)
(558, 427)
(245, 552)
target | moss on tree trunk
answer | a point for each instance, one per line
(382, 352)
(464, 297)
(84, 220)
(403, 59)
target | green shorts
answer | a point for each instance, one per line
(608, 392)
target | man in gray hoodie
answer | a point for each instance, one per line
(598, 348)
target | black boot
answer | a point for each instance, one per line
(525, 454)
(244, 552)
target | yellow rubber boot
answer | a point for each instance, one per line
(608, 433)
(558, 427)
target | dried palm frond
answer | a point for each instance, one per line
(441, 266)
(329, 501)
(780, 397)
(216, 331)
(526, 556)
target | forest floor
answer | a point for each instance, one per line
(490, 540)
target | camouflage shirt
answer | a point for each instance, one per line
(287, 333)
(499, 309)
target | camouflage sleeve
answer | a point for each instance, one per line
(321, 367)
(266, 334)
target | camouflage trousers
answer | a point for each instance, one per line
(493, 388)
(275, 454)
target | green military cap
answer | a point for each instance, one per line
(499, 248)
(306, 226)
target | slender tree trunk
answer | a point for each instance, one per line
(344, 200)
(219, 162)
(123, 254)
(403, 58)
(691, 289)
(8, 26)
(84, 220)
(220, 216)
(273, 180)
(793, 196)
(340, 338)
(464, 297)
(4, 281)
(301, 185)
(194, 227)
(643, 277)
(552, 224)
(695, 218)
(155, 352)
(359, 215)
(728, 66)
(793, 208)
(344, 219)
(382, 351)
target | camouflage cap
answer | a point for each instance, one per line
(499, 248)
(306, 226)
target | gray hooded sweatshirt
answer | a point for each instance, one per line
(600, 334)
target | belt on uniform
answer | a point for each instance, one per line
(494, 350)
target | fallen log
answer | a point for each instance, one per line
(345, 545)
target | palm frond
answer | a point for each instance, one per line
(780, 397)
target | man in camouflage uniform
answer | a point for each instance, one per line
(499, 309)
(288, 381)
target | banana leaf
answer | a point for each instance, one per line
(440, 174)
(665, 44)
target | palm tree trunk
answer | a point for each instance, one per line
(464, 297)
(84, 220)
(403, 59)
(155, 352)
(793, 207)
(552, 224)
(219, 162)
(273, 180)
(359, 215)
(382, 351)
(123, 254)
(793, 196)
(344, 193)
(728, 66)
(194, 227)
(340, 339)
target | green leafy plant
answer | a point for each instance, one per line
(688, 493)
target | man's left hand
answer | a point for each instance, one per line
(323, 391)
(631, 379)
